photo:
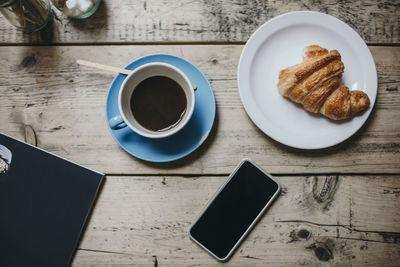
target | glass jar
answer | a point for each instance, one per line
(77, 9)
(27, 15)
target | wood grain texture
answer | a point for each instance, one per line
(142, 220)
(204, 21)
(316, 221)
(64, 103)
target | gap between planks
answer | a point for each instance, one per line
(194, 175)
(166, 43)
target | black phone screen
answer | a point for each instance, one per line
(234, 209)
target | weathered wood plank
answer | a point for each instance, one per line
(205, 21)
(43, 87)
(346, 220)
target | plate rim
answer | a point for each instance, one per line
(201, 140)
(306, 17)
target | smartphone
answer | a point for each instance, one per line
(234, 210)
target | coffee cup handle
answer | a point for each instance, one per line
(117, 122)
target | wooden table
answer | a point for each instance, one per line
(339, 206)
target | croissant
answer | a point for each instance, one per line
(315, 84)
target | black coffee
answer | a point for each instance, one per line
(158, 103)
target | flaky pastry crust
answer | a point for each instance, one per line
(315, 83)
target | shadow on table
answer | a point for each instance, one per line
(193, 157)
(94, 24)
(58, 22)
(42, 36)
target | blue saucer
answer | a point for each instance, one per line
(186, 140)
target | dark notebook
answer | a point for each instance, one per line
(44, 203)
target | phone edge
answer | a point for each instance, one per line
(251, 225)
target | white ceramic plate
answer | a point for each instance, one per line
(277, 45)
